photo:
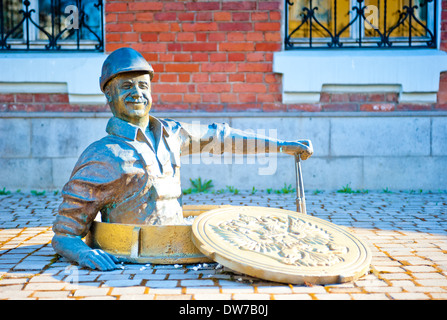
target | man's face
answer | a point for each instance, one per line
(129, 96)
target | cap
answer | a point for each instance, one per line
(123, 60)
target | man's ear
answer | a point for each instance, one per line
(108, 94)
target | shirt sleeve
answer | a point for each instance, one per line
(90, 188)
(217, 138)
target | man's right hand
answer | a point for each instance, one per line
(74, 249)
(97, 259)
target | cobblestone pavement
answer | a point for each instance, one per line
(407, 234)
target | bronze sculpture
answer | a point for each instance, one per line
(133, 174)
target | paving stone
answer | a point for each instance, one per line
(406, 232)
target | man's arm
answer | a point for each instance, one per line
(87, 191)
(219, 138)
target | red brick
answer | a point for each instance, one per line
(130, 37)
(145, 6)
(306, 107)
(210, 97)
(192, 98)
(204, 16)
(249, 87)
(149, 36)
(241, 16)
(274, 107)
(340, 107)
(168, 77)
(254, 67)
(199, 47)
(222, 16)
(169, 88)
(116, 7)
(267, 26)
(208, 107)
(218, 77)
(228, 98)
(167, 36)
(181, 67)
(441, 107)
(273, 36)
(113, 37)
(219, 67)
(374, 107)
(165, 16)
(150, 47)
(59, 97)
(376, 97)
(186, 77)
(216, 88)
(340, 97)
(198, 6)
(254, 77)
(118, 27)
(235, 26)
(236, 77)
(259, 16)
(171, 98)
(186, 16)
(239, 5)
(255, 56)
(174, 6)
(358, 97)
(255, 36)
(244, 107)
(151, 27)
(182, 57)
(235, 36)
(270, 5)
(247, 97)
(200, 77)
(201, 26)
(200, 57)
(186, 36)
(214, 57)
(239, 46)
(9, 97)
(236, 56)
(414, 107)
(62, 107)
(24, 97)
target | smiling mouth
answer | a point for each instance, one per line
(137, 102)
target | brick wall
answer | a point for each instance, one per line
(213, 56)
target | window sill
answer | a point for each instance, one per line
(36, 72)
(413, 73)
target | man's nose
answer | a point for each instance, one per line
(136, 92)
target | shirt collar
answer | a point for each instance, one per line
(124, 129)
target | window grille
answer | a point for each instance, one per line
(360, 24)
(51, 25)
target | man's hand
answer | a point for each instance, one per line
(74, 249)
(303, 147)
(97, 259)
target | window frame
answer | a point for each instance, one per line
(53, 43)
(356, 27)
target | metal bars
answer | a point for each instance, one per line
(51, 25)
(360, 24)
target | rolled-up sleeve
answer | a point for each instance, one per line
(90, 188)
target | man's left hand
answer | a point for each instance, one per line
(303, 147)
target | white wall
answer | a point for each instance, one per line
(399, 151)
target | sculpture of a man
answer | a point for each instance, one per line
(133, 174)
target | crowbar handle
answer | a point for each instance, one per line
(300, 198)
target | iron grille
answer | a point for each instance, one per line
(51, 25)
(413, 24)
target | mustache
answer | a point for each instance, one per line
(138, 100)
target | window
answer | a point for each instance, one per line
(360, 24)
(51, 25)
